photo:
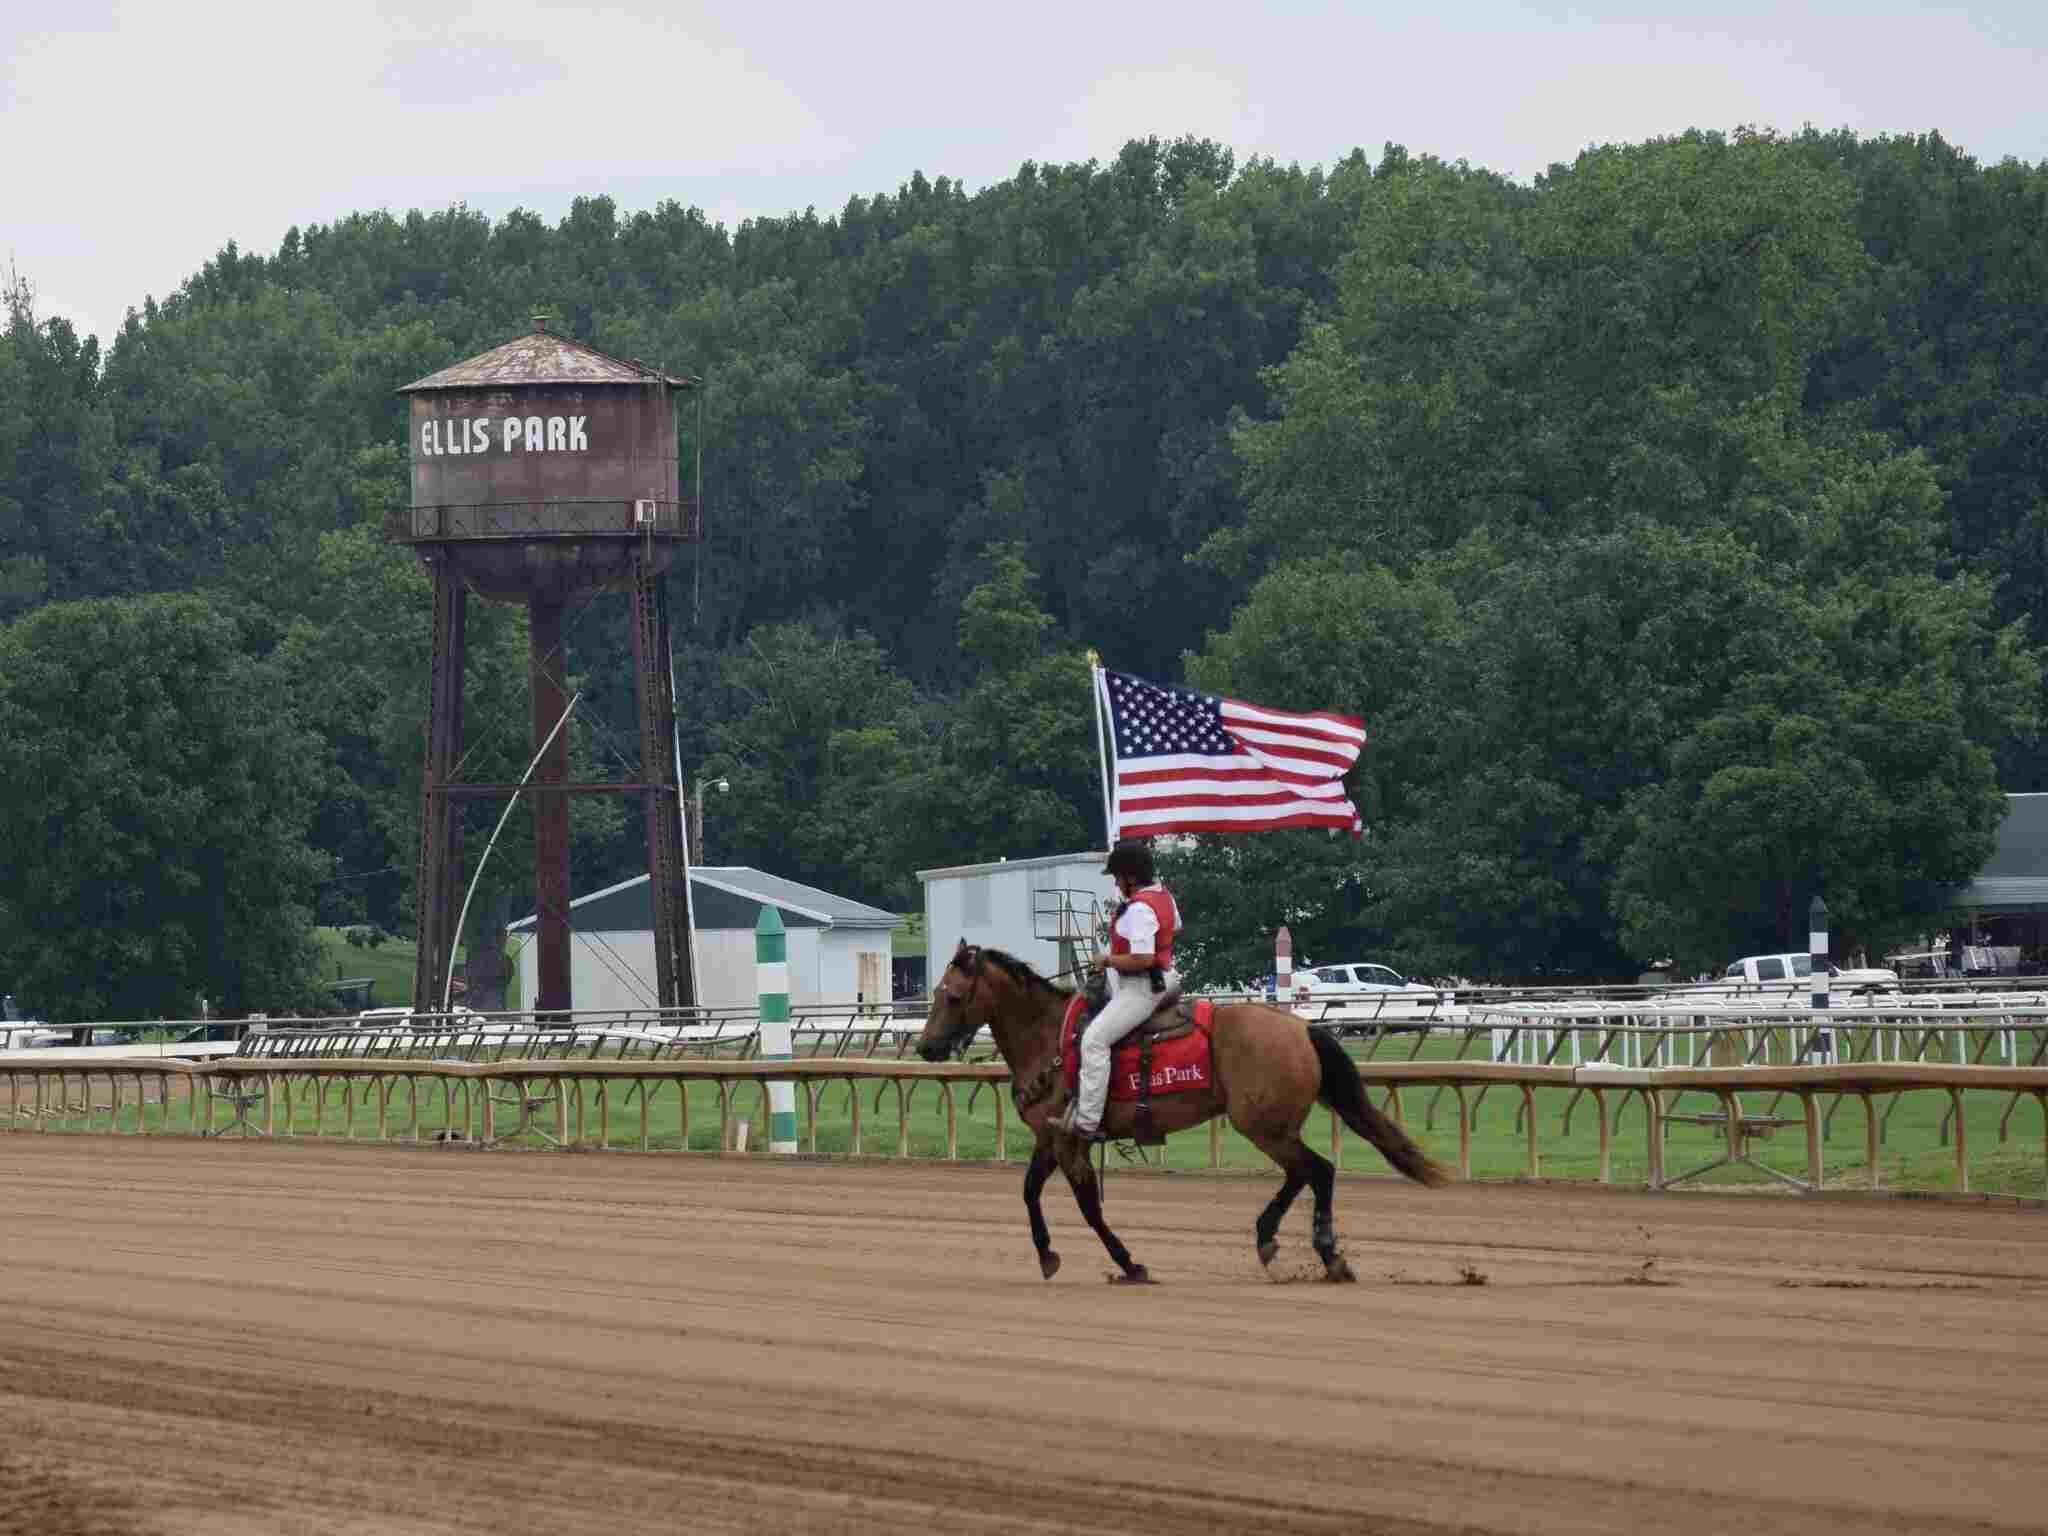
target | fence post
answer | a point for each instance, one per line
(1283, 968)
(771, 970)
(1820, 1036)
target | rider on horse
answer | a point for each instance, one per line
(1139, 966)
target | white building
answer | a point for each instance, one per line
(839, 950)
(1025, 906)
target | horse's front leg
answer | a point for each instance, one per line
(1035, 1174)
(1088, 1195)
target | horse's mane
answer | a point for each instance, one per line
(1020, 971)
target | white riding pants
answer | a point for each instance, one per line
(1131, 1000)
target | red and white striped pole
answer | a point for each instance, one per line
(1283, 967)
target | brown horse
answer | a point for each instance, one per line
(1269, 1069)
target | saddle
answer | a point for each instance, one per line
(1171, 1017)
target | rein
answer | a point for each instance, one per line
(1024, 1092)
(1037, 1087)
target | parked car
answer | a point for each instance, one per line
(1792, 974)
(1359, 980)
(18, 1032)
(130, 1034)
(457, 1017)
(31, 1035)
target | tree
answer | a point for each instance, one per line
(1581, 413)
(816, 707)
(1548, 466)
(1948, 352)
(1575, 662)
(1548, 716)
(357, 662)
(787, 469)
(24, 576)
(160, 792)
(1013, 770)
(1855, 761)
(1236, 891)
(1335, 632)
(57, 442)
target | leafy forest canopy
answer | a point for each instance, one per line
(1675, 523)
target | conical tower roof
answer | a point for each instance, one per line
(541, 357)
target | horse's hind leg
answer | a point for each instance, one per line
(1035, 1175)
(1088, 1195)
(1302, 1165)
(1322, 1178)
(1267, 1229)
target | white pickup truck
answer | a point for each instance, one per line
(1793, 974)
(27, 1036)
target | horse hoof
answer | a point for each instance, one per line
(1337, 1270)
(1138, 1274)
(1048, 1263)
(1268, 1251)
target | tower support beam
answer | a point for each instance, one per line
(548, 688)
(436, 890)
(675, 981)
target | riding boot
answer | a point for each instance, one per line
(1063, 1122)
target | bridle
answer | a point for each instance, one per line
(967, 960)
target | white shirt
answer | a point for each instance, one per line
(1139, 925)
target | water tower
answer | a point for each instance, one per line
(544, 471)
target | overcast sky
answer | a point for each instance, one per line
(138, 138)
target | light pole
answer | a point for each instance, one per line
(697, 813)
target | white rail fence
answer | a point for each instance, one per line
(616, 1103)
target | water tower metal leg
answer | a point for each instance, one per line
(547, 684)
(675, 984)
(440, 868)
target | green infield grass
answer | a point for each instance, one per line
(389, 965)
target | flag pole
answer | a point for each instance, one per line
(1101, 749)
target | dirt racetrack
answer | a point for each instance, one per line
(237, 1337)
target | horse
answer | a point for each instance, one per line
(1269, 1069)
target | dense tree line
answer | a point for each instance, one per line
(1676, 522)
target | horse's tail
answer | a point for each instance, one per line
(1343, 1091)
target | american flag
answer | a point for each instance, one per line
(1182, 761)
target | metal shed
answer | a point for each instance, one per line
(1041, 910)
(840, 950)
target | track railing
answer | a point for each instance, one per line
(858, 1031)
(560, 1102)
(583, 1102)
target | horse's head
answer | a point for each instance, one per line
(960, 1005)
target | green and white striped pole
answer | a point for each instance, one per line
(771, 970)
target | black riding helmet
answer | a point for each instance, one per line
(1131, 860)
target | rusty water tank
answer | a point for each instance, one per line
(539, 466)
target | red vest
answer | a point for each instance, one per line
(1162, 944)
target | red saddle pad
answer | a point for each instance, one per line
(1178, 1066)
